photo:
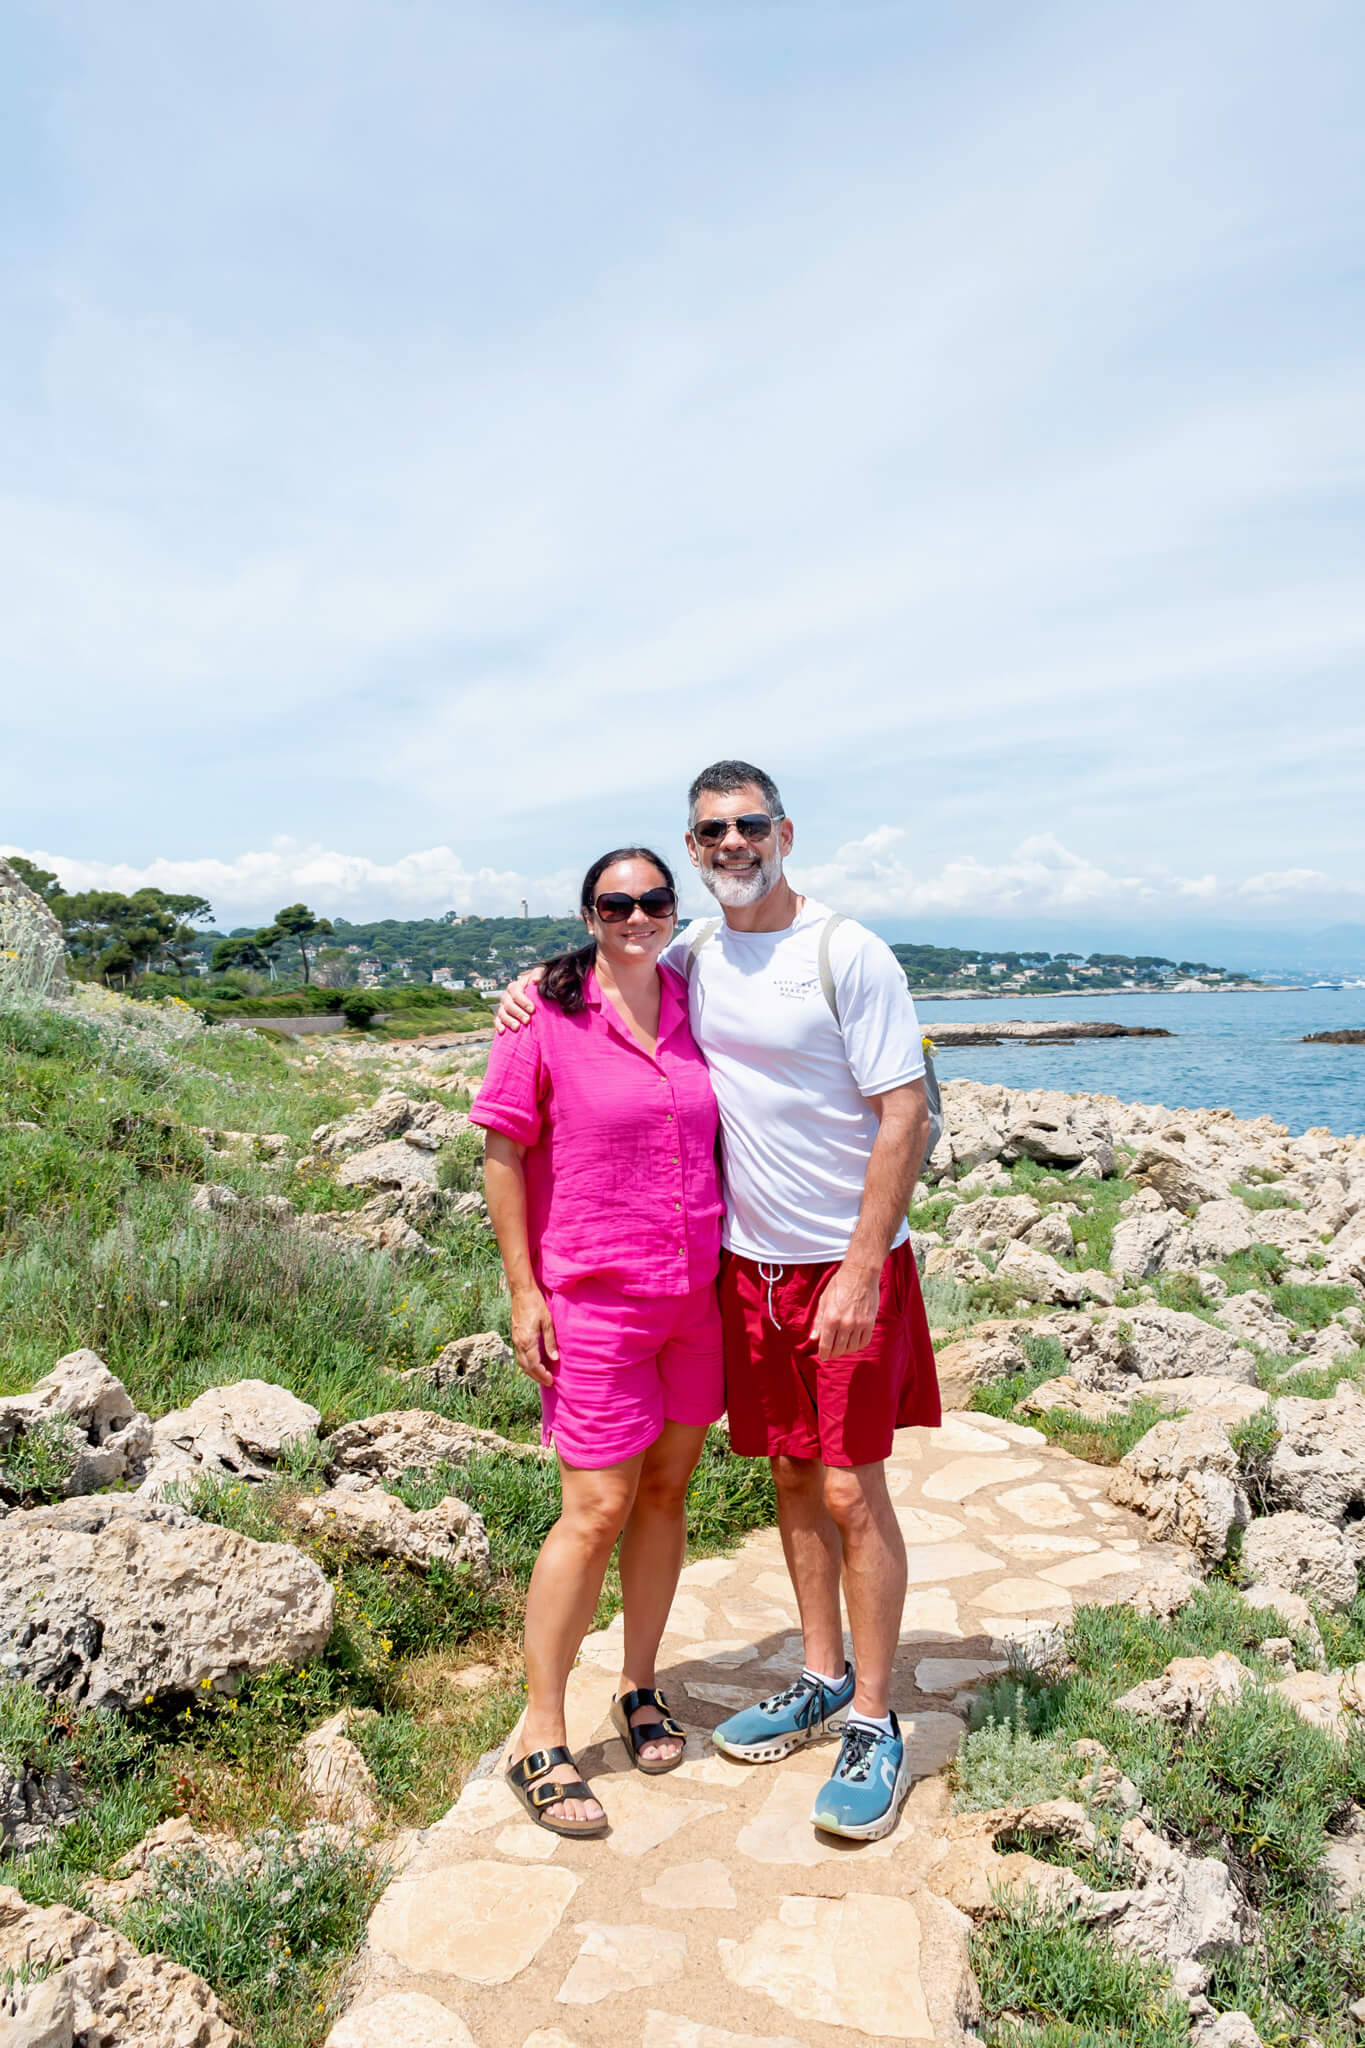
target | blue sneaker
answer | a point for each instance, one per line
(864, 1797)
(777, 1726)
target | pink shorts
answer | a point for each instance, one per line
(628, 1364)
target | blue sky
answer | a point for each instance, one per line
(433, 431)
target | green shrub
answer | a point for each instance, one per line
(1001, 1761)
(360, 1007)
(270, 1936)
(1254, 1442)
(459, 1168)
(1065, 1987)
(1311, 1307)
(40, 1460)
(1262, 1197)
(1262, 1266)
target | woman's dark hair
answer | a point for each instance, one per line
(563, 978)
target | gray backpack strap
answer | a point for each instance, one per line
(827, 989)
(708, 931)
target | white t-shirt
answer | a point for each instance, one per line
(791, 1082)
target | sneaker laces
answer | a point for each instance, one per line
(855, 1758)
(799, 1690)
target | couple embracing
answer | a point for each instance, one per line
(782, 1041)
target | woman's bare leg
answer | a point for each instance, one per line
(563, 1593)
(651, 1557)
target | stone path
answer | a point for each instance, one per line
(713, 1916)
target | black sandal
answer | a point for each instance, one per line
(535, 1797)
(648, 1731)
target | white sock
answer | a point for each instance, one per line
(882, 1722)
(819, 1678)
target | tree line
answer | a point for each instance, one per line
(115, 938)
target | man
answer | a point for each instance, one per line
(814, 1048)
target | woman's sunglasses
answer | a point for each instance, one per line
(614, 906)
(754, 825)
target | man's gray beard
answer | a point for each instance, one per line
(734, 892)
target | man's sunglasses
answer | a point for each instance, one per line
(754, 825)
(614, 906)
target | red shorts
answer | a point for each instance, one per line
(786, 1402)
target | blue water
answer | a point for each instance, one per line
(1237, 1052)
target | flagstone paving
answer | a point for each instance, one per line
(713, 1915)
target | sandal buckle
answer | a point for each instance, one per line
(544, 1793)
(539, 1760)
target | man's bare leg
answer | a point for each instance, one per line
(811, 1545)
(859, 1508)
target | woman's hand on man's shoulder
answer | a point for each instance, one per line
(517, 1006)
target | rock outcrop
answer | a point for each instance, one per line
(111, 1601)
(1318, 1464)
(413, 1440)
(90, 1988)
(1297, 1551)
(1182, 1476)
(109, 1439)
(379, 1525)
(238, 1431)
(31, 939)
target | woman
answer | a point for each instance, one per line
(603, 1186)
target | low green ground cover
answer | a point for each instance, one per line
(1255, 1785)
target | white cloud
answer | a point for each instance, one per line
(866, 877)
(253, 885)
(1041, 876)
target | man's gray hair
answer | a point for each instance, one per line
(723, 778)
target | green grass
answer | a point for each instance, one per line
(1312, 1308)
(1102, 1443)
(1261, 1197)
(272, 1937)
(1255, 1785)
(1262, 1267)
(1068, 1987)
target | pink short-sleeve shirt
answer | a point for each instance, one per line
(622, 1180)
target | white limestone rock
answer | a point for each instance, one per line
(1222, 1229)
(1294, 1550)
(1185, 1911)
(1155, 1343)
(992, 1222)
(110, 1438)
(110, 1600)
(1253, 1319)
(339, 1783)
(379, 1525)
(1318, 1465)
(1139, 1244)
(237, 1431)
(99, 1992)
(1182, 1477)
(1180, 1169)
(413, 1440)
(1187, 1689)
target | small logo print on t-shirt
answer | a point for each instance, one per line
(797, 990)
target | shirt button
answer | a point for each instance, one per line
(668, 1116)
(677, 1205)
(681, 1253)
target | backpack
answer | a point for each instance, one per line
(827, 989)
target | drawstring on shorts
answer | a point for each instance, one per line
(771, 1274)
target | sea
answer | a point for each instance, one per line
(1238, 1052)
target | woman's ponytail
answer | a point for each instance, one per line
(565, 977)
